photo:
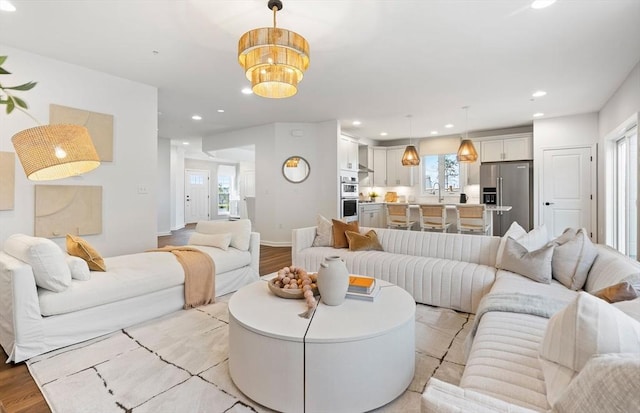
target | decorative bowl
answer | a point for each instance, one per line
(287, 293)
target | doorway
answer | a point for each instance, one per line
(196, 191)
(567, 190)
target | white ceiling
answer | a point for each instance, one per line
(371, 60)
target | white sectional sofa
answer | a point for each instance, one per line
(504, 371)
(135, 288)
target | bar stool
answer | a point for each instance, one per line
(433, 217)
(473, 219)
(398, 216)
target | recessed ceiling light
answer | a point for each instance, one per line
(539, 93)
(449, 125)
(356, 123)
(541, 4)
(5, 5)
(185, 143)
(220, 110)
(537, 115)
(383, 133)
(196, 117)
(434, 132)
(247, 91)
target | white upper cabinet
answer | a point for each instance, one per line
(516, 148)
(379, 166)
(348, 154)
(397, 174)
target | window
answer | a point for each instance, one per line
(443, 170)
(626, 194)
(226, 177)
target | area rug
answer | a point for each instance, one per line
(178, 363)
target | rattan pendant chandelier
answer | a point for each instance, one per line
(273, 59)
(410, 157)
(467, 152)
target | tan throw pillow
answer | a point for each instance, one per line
(339, 229)
(572, 258)
(324, 232)
(366, 242)
(81, 248)
(627, 289)
(532, 264)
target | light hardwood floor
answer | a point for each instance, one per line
(18, 391)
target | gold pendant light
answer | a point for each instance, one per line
(467, 152)
(410, 157)
(274, 59)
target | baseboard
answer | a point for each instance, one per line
(177, 228)
(275, 243)
(162, 234)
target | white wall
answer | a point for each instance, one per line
(280, 205)
(164, 190)
(129, 221)
(560, 132)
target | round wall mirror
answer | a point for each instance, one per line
(295, 169)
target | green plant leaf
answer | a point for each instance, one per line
(3, 59)
(20, 103)
(4, 72)
(25, 86)
(10, 105)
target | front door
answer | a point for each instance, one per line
(566, 189)
(196, 192)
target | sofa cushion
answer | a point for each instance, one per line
(240, 231)
(366, 242)
(610, 267)
(324, 232)
(587, 326)
(221, 241)
(573, 257)
(339, 229)
(79, 268)
(534, 264)
(48, 262)
(509, 282)
(228, 260)
(79, 247)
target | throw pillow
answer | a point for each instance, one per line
(532, 240)
(572, 258)
(586, 327)
(532, 264)
(366, 242)
(79, 268)
(627, 289)
(608, 382)
(240, 231)
(79, 247)
(339, 229)
(47, 260)
(221, 241)
(324, 232)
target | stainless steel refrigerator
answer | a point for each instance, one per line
(508, 183)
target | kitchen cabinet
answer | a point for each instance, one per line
(348, 154)
(379, 166)
(398, 174)
(371, 215)
(516, 148)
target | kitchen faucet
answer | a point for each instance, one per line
(433, 191)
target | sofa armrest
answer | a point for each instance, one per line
(302, 238)
(254, 249)
(20, 319)
(441, 397)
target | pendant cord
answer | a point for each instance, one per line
(275, 9)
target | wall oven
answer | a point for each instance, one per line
(348, 187)
(349, 198)
(349, 209)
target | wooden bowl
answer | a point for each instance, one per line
(287, 293)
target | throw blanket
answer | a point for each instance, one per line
(199, 275)
(537, 305)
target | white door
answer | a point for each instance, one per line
(196, 192)
(566, 189)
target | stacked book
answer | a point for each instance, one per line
(362, 288)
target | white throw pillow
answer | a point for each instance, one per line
(586, 327)
(532, 240)
(324, 232)
(573, 257)
(221, 241)
(240, 231)
(79, 268)
(534, 264)
(46, 259)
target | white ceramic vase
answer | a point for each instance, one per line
(333, 281)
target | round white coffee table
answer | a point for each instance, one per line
(349, 358)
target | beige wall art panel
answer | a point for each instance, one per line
(100, 126)
(68, 209)
(7, 180)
